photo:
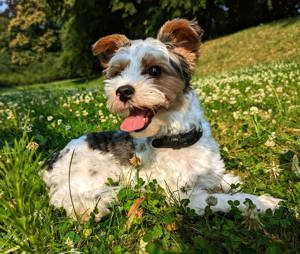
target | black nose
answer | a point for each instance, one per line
(125, 92)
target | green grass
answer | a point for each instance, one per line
(67, 84)
(254, 113)
(277, 41)
(13, 75)
(255, 117)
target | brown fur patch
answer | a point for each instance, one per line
(188, 56)
(184, 36)
(106, 46)
(171, 86)
(116, 68)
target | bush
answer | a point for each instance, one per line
(47, 70)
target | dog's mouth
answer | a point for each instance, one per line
(137, 120)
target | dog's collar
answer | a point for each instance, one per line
(180, 140)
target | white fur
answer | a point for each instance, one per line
(199, 168)
(78, 185)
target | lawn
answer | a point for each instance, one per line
(276, 41)
(254, 113)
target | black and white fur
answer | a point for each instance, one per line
(77, 178)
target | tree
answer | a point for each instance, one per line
(31, 32)
(82, 23)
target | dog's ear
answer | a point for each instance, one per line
(184, 36)
(106, 46)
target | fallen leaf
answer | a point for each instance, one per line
(134, 211)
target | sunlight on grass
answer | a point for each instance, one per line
(249, 86)
(263, 44)
(255, 117)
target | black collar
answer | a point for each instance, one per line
(180, 140)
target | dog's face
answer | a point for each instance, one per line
(147, 78)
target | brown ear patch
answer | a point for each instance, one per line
(106, 46)
(184, 35)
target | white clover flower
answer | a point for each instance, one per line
(10, 115)
(232, 101)
(59, 121)
(279, 89)
(85, 113)
(254, 110)
(235, 115)
(77, 113)
(69, 243)
(270, 142)
(29, 128)
(49, 118)
(275, 169)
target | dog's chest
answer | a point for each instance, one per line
(179, 168)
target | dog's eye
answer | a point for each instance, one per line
(154, 71)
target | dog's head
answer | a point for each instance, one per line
(147, 78)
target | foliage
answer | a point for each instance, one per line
(31, 34)
(77, 38)
(266, 43)
(254, 116)
(70, 27)
(82, 22)
(254, 113)
(39, 72)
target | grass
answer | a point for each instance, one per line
(67, 84)
(277, 41)
(255, 115)
(12, 75)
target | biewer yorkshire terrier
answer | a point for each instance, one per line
(148, 82)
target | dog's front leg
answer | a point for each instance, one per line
(218, 202)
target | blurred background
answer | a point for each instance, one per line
(42, 41)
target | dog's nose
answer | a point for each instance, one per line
(125, 92)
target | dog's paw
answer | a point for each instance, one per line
(267, 202)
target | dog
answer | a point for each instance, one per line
(164, 131)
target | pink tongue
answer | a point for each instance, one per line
(134, 122)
